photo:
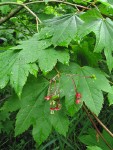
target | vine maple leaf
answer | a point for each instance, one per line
(34, 110)
(16, 64)
(62, 29)
(14, 68)
(90, 87)
(103, 29)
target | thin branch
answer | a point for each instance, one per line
(75, 88)
(33, 14)
(26, 26)
(98, 120)
(3, 99)
(77, 75)
(57, 1)
(21, 5)
(10, 3)
(93, 123)
(57, 71)
(46, 78)
(11, 14)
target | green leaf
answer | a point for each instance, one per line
(32, 99)
(106, 10)
(110, 98)
(31, 48)
(42, 128)
(4, 115)
(83, 53)
(18, 63)
(7, 60)
(103, 31)
(48, 58)
(14, 68)
(90, 139)
(91, 88)
(107, 2)
(36, 111)
(62, 29)
(19, 73)
(12, 104)
(67, 89)
(93, 148)
(33, 68)
(60, 122)
(5, 9)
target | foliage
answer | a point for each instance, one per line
(55, 59)
(92, 140)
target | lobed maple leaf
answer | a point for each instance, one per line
(89, 82)
(94, 22)
(16, 64)
(62, 29)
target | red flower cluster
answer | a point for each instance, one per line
(54, 102)
(78, 96)
(48, 98)
(55, 108)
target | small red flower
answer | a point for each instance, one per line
(47, 98)
(51, 108)
(78, 101)
(57, 108)
(78, 95)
